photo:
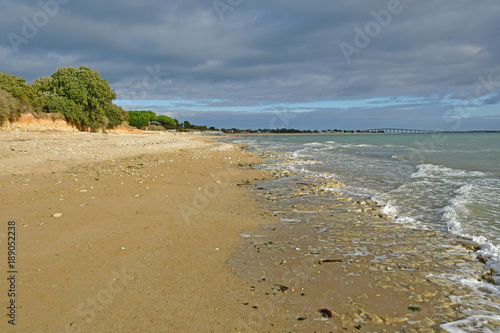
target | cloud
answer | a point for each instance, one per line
(263, 53)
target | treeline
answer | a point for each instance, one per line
(149, 120)
(79, 94)
(267, 130)
(286, 130)
(143, 119)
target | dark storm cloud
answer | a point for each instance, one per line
(263, 52)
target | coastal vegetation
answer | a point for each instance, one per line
(147, 119)
(82, 97)
(79, 94)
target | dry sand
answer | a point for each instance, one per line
(148, 223)
(141, 233)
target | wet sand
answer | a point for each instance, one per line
(370, 273)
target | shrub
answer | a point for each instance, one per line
(73, 113)
(10, 108)
(115, 114)
(16, 86)
(156, 128)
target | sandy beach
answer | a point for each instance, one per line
(165, 233)
(146, 224)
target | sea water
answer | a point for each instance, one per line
(444, 181)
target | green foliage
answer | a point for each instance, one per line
(72, 112)
(86, 89)
(17, 87)
(9, 106)
(43, 84)
(166, 121)
(116, 115)
(139, 119)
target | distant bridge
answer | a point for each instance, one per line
(398, 130)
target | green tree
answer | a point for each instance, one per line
(166, 121)
(115, 114)
(86, 89)
(43, 84)
(16, 86)
(72, 112)
(140, 119)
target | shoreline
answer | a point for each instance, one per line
(397, 278)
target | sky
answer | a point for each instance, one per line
(315, 64)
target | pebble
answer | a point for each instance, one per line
(57, 215)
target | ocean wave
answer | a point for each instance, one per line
(457, 211)
(393, 210)
(351, 145)
(314, 144)
(441, 172)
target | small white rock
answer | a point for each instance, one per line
(122, 248)
(57, 215)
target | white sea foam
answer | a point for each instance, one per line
(457, 211)
(330, 189)
(290, 220)
(439, 171)
(473, 324)
(314, 144)
(351, 145)
(391, 209)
